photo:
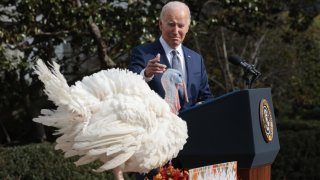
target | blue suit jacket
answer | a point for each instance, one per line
(197, 79)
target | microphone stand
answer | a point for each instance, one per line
(250, 76)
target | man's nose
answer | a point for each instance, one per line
(176, 29)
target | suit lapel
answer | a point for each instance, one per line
(187, 58)
(188, 63)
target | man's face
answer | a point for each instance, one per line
(174, 26)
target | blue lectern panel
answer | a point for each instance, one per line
(228, 128)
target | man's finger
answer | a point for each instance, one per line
(156, 59)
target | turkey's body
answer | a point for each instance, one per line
(112, 116)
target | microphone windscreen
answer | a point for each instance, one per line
(235, 60)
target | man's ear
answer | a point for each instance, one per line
(160, 25)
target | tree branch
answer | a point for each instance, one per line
(105, 60)
(257, 45)
(5, 132)
(227, 71)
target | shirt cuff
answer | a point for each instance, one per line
(147, 79)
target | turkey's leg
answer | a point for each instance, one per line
(118, 175)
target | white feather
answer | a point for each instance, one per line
(114, 117)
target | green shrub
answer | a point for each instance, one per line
(299, 151)
(41, 161)
(298, 158)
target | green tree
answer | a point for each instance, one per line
(278, 37)
(84, 37)
(87, 36)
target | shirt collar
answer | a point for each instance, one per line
(168, 49)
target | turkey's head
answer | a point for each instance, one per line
(173, 85)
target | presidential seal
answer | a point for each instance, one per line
(266, 122)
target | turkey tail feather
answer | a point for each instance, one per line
(57, 88)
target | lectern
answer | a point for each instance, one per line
(238, 126)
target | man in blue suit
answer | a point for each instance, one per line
(151, 60)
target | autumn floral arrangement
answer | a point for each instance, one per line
(168, 172)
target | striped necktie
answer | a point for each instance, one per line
(176, 64)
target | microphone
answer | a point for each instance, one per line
(248, 68)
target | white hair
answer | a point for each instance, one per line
(174, 5)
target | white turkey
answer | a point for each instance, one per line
(114, 117)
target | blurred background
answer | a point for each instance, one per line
(281, 38)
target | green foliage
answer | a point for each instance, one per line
(63, 31)
(298, 157)
(295, 69)
(51, 23)
(41, 161)
(299, 150)
(281, 38)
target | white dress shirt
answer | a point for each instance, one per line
(167, 50)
